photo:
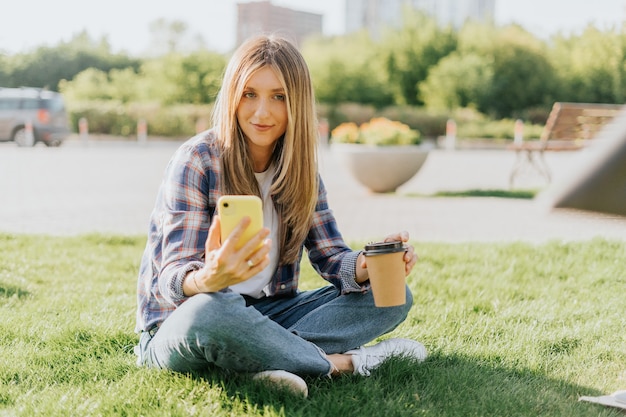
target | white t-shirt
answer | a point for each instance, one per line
(257, 285)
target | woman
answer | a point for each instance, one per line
(202, 302)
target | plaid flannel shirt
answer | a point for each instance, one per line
(179, 225)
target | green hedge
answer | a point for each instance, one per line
(113, 118)
(429, 124)
(180, 121)
(495, 129)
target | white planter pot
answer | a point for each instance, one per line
(381, 169)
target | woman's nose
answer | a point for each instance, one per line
(262, 108)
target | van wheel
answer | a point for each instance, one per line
(53, 143)
(22, 139)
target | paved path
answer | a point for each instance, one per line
(109, 186)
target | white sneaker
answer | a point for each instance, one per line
(367, 358)
(285, 379)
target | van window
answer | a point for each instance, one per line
(53, 104)
(9, 103)
(30, 104)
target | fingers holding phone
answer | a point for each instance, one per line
(237, 247)
(241, 220)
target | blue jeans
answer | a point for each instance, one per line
(243, 334)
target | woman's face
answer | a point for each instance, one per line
(262, 110)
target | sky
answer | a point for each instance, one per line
(28, 24)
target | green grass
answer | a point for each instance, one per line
(519, 194)
(513, 330)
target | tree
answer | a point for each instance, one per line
(592, 66)
(347, 69)
(411, 51)
(170, 79)
(5, 71)
(458, 80)
(90, 84)
(177, 78)
(521, 76)
(46, 66)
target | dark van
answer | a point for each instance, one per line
(30, 115)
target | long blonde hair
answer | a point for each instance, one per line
(295, 185)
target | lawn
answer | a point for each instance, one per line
(513, 329)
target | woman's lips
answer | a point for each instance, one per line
(262, 128)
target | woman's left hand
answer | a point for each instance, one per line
(410, 257)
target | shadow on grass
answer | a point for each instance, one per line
(10, 291)
(457, 385)
(442, 386)
(517, 194)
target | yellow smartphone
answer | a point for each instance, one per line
(233, 208)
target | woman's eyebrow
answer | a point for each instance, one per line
(274, 90)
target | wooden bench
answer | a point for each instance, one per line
(570, 127)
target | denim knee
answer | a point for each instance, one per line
(395, 315)
(214, 310)
(409, 302)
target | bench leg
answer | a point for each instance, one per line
(533, 159)
(539, 162)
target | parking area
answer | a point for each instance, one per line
(110, 187)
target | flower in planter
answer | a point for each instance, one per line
(378, 131)
(345, 133)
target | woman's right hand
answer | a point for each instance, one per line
(223, 264)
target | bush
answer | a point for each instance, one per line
(471, 124)
(428, 123)
(179, 121)
(115, 118)
(345, 112)
(495, 129)
(106, 117)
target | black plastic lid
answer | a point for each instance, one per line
(379, 248)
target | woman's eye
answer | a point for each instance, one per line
(280, 97)
(248, 94)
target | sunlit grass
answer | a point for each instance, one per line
(513, 330)
(498, 193)
(521, 194)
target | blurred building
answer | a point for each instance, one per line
(374, 15)
(263, 17)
